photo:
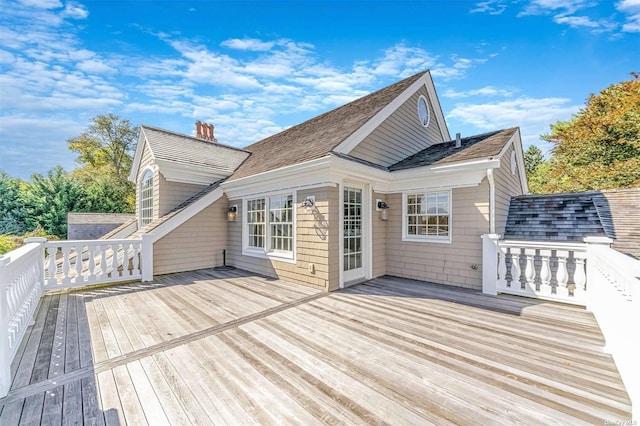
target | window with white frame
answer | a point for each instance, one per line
(256, 222)
(146, 198)
(428, 216)
(269, 225)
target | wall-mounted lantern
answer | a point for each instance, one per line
(232, 213)
(309, 202)
(383, 208)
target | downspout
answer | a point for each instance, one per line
(492, 202)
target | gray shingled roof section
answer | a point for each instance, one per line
(485, 145)
(179, 148)
(317, 137)
(156, 223)
(554, 217)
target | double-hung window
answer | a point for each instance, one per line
(427, 216)
(146, 198)
(269, 226)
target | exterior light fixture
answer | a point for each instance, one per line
(383, 208)
(232, 213)
(309, 202)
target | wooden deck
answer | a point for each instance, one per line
(228, 347)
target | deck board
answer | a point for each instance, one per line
(216, 347)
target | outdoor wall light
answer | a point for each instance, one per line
(232, 213)
(309, 202)
(383, 208)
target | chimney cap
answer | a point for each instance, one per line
(204, 131)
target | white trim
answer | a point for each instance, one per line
(137, 157)
(427, 239)
(492, 202)
(190, 211)
(517, 147)
(154, 196)
(365, 130)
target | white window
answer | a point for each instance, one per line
(427, 216)
(146, 198)
(269, 226)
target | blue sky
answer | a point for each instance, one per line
(255, 68)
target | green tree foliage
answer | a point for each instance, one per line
(12, 211)
(109, 141)
(532, 159)
(105, 156)
(599, 148)
(49, 198)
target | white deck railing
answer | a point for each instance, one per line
(592, 274)
(545, 270)
(41, 265)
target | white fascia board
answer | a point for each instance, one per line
(435, 102)
(137, 157)
(365, 130)
(342, 169)
(187, 173)
(430, 181)
(186, 214)
(516, 141)
(306, 174)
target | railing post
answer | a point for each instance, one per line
(490, 263)
(5, 350)
(147, 257)
(594, 285)
(41, 269)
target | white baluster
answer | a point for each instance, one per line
(579, 277)
(502, 267)
(515, 269)
(103, 262)
(66, 265)
(561, 275)
(530, 270)
(53, 280)
(545, 273)
(136, 258)
(114, 261)
(91, 273)
(78, 266)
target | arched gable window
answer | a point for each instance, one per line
(146, 198)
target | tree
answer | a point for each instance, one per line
(49, 198)
(532, 159)
(105, 155)
(599, 148)
(12, 211)
(109, 141)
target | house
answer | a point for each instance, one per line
(375, 187)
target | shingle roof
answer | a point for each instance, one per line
(473, 147)
(573, 216)
(179, 148)
(555, 217)
(317, 137)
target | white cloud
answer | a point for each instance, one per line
(631, 8)
(483, 91)
(575, 21)
(532, 115)
(251, 44)
(94, 66)
(491, 7)
(42, 4)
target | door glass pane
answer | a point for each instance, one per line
(352, 228)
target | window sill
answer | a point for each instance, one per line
(427, 240)
(287, 257)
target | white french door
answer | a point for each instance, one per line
(353, 248)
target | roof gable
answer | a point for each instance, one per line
(186, 158)
(319, 136)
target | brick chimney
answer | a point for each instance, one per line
(204, 131)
